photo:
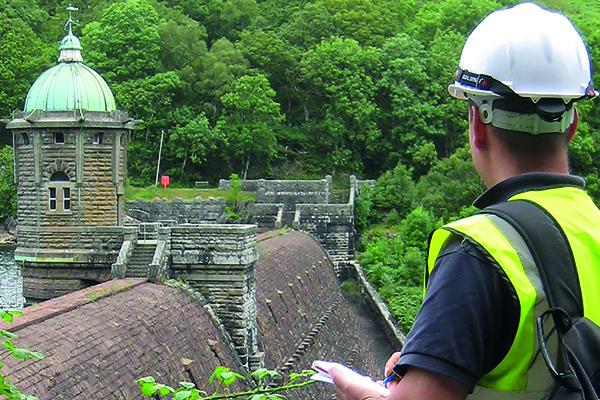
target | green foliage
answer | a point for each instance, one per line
(223, 378)
(394, 190)
(396, 270)
(363, 208)
(124, 44)
(22, 54)
(7, 390)
(8, 192)
(232, 198)
(338, 73)
(404, 303)
(451, 184)
(249, 120)
(195, 142)
(417, 225)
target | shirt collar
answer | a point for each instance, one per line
(521, 183)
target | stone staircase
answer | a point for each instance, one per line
(141, 258)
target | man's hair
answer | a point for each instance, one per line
(526, 145)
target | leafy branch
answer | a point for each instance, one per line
(223, 377)
(8, 390)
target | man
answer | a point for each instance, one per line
(521, 70)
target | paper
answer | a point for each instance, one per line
(323, 376)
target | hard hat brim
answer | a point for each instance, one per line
(460, 92)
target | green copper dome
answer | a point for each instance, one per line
(70, 85)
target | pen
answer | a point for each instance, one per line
(389, 378)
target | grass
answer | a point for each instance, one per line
(350, 286)
(382, 229)
(152, 193)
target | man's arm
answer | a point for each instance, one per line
(417, 384)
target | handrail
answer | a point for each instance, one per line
(138, 211)
(119, 267)
(167, 222)
(158, 266)
(148, 227)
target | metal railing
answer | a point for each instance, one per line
(146, 229)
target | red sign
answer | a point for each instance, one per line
(164, 181)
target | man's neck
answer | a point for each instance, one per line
(506, 167)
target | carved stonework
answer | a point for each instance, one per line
(59, 166)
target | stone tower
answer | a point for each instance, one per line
(70, 146)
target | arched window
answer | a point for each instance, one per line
(25, 138)
(59, 176)
(59, 193)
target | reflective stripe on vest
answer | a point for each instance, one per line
(522, 374)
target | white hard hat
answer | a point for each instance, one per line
(526, 52)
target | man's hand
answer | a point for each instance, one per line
(353, 389)
(391, 363)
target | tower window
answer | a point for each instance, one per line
(25, 138)
(59, 138)
(52, 198)
(59, 193)
(98, 136)
(66, 199)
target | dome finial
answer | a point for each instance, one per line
(69, 23)
(70, 47)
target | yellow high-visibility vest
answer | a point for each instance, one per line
(522, 373)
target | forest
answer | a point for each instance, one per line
(292, 89)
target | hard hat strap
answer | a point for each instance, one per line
(530, 123)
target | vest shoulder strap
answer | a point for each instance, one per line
(550, 250)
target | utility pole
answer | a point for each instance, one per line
(162, 134)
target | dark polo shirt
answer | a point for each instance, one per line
(470, 315)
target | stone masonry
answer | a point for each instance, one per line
(218, 261)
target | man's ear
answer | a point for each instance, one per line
(573, 127)
(478, 129)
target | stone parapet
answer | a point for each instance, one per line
(332, 225)
(182, 211)
(218, 261)
(267, 216)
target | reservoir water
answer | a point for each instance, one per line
(11, 282)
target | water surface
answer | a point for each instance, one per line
(11, 282)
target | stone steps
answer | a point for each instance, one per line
(140, 259)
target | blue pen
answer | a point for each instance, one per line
(389, 378)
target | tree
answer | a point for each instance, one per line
(219, 70)
(195, 141)
(22, 58)
(8, 192)
(449, 15)
(124, 44)
(451, 185)
(394, 190)
(250, 117)
(339, 77)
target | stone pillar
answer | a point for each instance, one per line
(218, 260)
(328, 186)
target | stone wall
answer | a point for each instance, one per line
(183, 211)
(302, 313)
(59, 260)
(292, 192)
(267, 216)
(218, 261)
(248, 185)
(95, 171)
(332, 225)
(288, 192)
